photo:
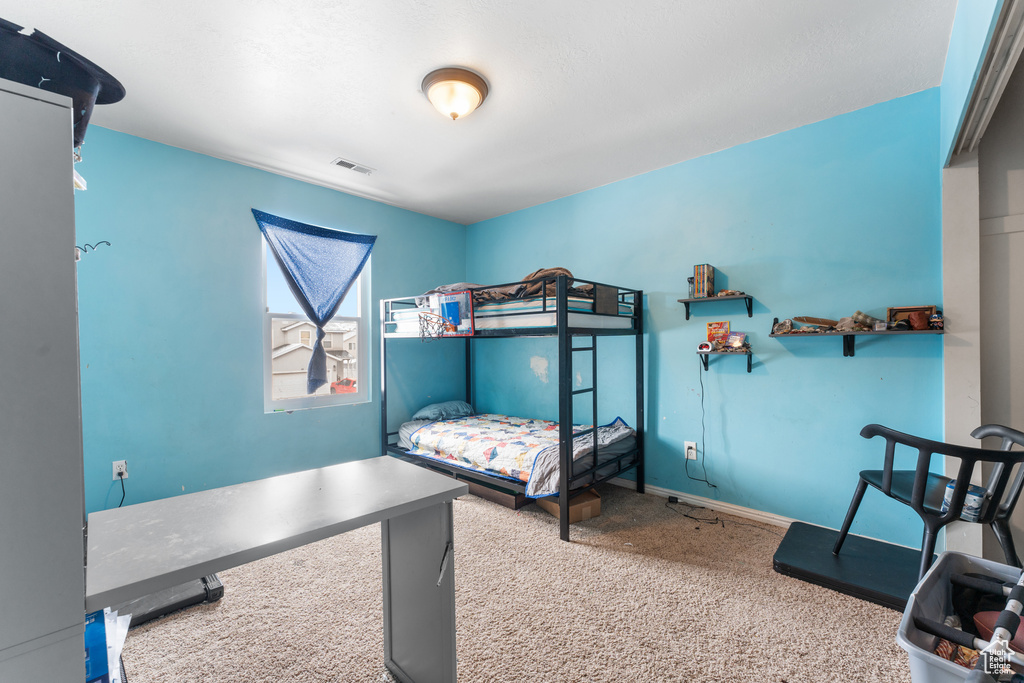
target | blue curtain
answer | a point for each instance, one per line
(320, 266)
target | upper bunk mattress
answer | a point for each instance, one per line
(513, 447)
(522, 313)
(540, 312)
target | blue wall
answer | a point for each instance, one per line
(835, 217)
(170, 320)
(972, 31)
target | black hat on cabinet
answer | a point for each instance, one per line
(41, 62)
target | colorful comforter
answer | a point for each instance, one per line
(512, 447)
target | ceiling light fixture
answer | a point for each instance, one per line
(454, 91)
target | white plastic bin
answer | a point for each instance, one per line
(932, 599)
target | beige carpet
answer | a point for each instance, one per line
(641, 594)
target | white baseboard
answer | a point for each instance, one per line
(716, 505)
(737, 510)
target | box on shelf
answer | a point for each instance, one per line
(703, 281)
(582, 507)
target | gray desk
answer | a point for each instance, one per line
(140, 549)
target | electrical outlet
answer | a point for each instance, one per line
(691, 450)
(120, 469)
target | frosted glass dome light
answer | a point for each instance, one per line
(454, 91)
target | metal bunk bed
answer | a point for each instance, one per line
(584, 326)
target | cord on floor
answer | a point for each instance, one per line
(714, 521)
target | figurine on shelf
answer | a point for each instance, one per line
(919, 320)
(865, 319)
(846, 325)
(935, 321)
(783, 327)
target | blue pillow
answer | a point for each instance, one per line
(444, 411)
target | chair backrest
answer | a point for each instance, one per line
(1000, 497)
(999, 477)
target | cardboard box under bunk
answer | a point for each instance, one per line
(586, 505)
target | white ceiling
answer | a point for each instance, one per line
(583, 92)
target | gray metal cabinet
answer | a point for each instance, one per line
(42, 584)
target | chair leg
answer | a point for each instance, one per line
(1002, 532)
(862, 486)
(927, 550)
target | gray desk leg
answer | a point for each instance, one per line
(419, 614)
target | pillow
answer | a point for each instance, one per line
(444, 411)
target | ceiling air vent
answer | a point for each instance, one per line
(352, 166)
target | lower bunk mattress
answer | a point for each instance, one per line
(515, 448)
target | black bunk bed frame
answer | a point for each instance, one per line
(565, 334)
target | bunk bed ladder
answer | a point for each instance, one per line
(566, 351)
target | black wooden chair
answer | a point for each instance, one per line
(923, 490)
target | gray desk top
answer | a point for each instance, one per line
(140, 549)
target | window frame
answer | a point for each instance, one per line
(364, 349)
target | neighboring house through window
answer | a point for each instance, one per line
(288, 345)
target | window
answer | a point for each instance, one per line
(288, 345)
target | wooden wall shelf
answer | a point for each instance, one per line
(704, 356)
(848, 337)
(749, 299)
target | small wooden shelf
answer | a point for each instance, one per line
(704, 356)
(848, 337)
(732, 297)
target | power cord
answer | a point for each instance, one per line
(120, 475)
(715, 521)
(703, 434)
